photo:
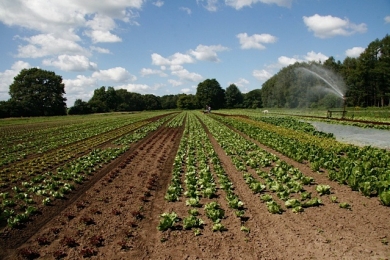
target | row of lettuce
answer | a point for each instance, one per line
(197, 174)
(30, 192)
(200, 183)
(364, 169)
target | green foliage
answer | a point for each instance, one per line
(192, 222)
(233, 96)
(37, 92)
(323, 189)
(210, 93)
(167, 220)
(385, 198)
(274, 207)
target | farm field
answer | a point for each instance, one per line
(188, 185)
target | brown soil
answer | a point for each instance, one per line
(117, 217)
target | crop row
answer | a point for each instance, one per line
(18, 146)
(23, 200)
(202, 170)
(363, 169)
(265, 173)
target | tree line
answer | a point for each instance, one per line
(37, 92)
(366, 79)
(208, 93)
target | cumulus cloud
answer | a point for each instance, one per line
(262, 75)
(354, 52)
(176, 59)
(255, 41)
(186, 9)
(100, 50)
(117, 74)
(387, 19)
(100, 26)
(146, 72)
(241, 82)
(285, 61)
(312, 56)
(64, 17)
(158, 3)
(210, 5)
(175, 83)
(238, 4)
(186, 75)
(81, 84)
(186, 90)
(42, 45)
(138, 88)
(71, 63)
(330, 26)
(207, 53)
(7, 77)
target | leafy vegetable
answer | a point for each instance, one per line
(345, 205)
(292, 203)
(167, 220)
(266, 197)
(323, 189)
(274, 207)
(385, 197)
(314, 202)
(192, 221)
(218, 227)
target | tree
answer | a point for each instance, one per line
(186, 102)
(233, 97)
(80, 108)
(252, 99)
(152, 102)
(38, 92)
(209, 92)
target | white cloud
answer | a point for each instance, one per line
(241, 82)
(102, 36)
(211, 5)
(117, 74)
(186, 90)
(158, 3)
(138, 88)
(255, 41)
(79, 85)
(330, 26)
(175, 83)
(100, 50)
(186, 9)
(100, 26)
(312, 56)
(175, 59)
(285, 61)
(146, 72)
(184, 74)
(42, 45)
(387, 19)
(262, 75)
(354, 52)
(64, 17)
(238, 4)
(71, 63)
(207, 53)
(7, 77)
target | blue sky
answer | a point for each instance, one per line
(166, 47)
